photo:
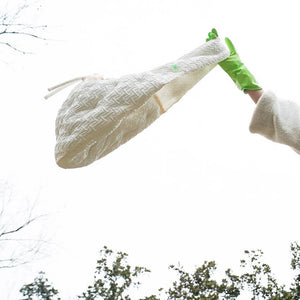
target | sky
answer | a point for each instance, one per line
(196, 185)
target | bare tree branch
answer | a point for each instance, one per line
(19, 227)
(14, 48)
(11, 26)
(22, 33)
(10, 264)
(20, 243)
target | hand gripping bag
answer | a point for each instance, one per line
(100, 115)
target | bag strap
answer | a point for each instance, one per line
(59, 87)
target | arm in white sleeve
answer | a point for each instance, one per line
(277, 120)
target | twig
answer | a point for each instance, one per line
(23, 33)
(14, 48)
(20, 227)
(11, 24)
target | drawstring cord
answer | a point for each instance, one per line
(59, 87)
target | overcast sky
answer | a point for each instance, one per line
(195, 185)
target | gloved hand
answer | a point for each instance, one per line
(235, 68)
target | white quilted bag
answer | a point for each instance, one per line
(100, 115)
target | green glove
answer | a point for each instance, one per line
(212, 35)
(235, 68)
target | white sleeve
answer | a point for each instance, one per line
(277, 120)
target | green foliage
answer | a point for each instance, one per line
(200, 284)
(40, 289)
(260, 280)
(114, 277)
(295, 264)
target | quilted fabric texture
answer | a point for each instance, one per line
(100, 115)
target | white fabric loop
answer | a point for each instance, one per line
(59, 87)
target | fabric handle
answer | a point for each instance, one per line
(59, 87)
